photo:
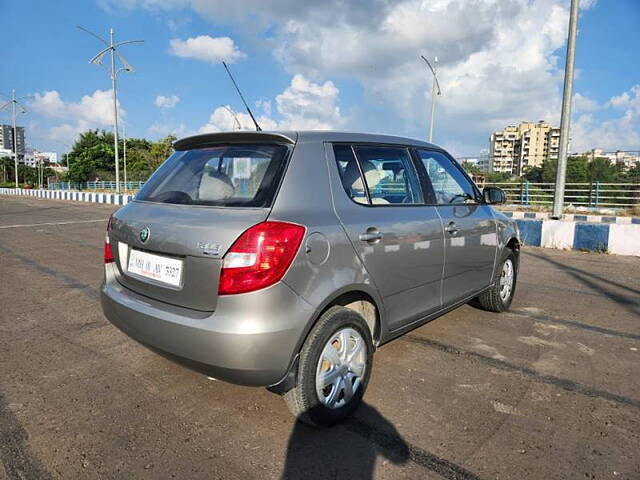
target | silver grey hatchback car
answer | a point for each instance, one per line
(284, 259)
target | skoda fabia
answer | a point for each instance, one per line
(285, 259)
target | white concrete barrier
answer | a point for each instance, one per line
(109, 198)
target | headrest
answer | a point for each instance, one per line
(352, 177)
(215, 186)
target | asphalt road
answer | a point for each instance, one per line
(549, 390)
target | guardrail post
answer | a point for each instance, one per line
(526, 192)
(597, 193)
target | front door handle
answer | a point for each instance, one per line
(372, 235)
(452, 228)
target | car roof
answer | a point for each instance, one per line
(294, 136)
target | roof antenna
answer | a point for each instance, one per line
(243, 100)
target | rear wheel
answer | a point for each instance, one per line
(334, 368)
(498, 298)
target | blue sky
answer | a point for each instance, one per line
(304, 66)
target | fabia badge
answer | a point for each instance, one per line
(145, 233)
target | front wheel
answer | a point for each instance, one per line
(333, 369)
(498, 298)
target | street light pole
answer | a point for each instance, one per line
(112, 49)
(565, 121)
(433, 99)
(15, 134)
(435, 91)
(124, 153)
(115, 109)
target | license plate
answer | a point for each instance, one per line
(156, 267)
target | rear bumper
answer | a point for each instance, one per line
(251, 339)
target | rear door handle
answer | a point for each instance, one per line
(452, 228)
(370, 236)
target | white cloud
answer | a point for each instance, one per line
(303, 105)
(265, 106)
(162, 129)
(620, 132)
(630, 99)
(497, 56)
(166, 102)
(206, 48)
(583, 104)
(498, 59)
(224, 118)
(92, 111)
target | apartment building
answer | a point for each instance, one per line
(6, 139)
(623, 159)
(33, 158)
(502, 149)
(517, 148)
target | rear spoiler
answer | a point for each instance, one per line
(212, 139)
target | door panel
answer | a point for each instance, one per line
(469, 227)
(401, 245)
(469, 252)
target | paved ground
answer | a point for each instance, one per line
(550, 390)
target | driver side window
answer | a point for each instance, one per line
(449, 184)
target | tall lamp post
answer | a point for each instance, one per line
(435, 90)
(112, 48)
(565, 121)
(124, 154)
(14, 105)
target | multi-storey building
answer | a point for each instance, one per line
(623, 159)
(517, 148)
(33, 158)
(502, 149)
(6, 139)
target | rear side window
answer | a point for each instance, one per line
(350, 173)
(231, 175)
(390, 178)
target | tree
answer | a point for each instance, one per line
(601, 169)
(7, 167)
(576, 170)
(92, 156)
(471, 168)
(161, 150)
(633, 174)
(498, 177)
(534, 175)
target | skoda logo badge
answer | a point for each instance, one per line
(145, 233)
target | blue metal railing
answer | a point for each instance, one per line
(587, 194)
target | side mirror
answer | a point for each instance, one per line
(493, 195)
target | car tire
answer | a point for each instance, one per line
(497, 298)
(334, 368)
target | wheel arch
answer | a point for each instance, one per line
(513, 244)
(356, 298)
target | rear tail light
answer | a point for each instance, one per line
(108, 254)
(260, 257)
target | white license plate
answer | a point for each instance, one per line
(156, 267)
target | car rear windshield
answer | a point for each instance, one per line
(230, 175)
